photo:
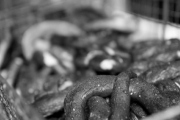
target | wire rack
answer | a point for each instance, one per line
(23, 13)
(167, 11)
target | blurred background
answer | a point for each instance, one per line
(48, 45)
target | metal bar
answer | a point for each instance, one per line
(174, 11)
(165, 16)
(153, 5)
(177, 12)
